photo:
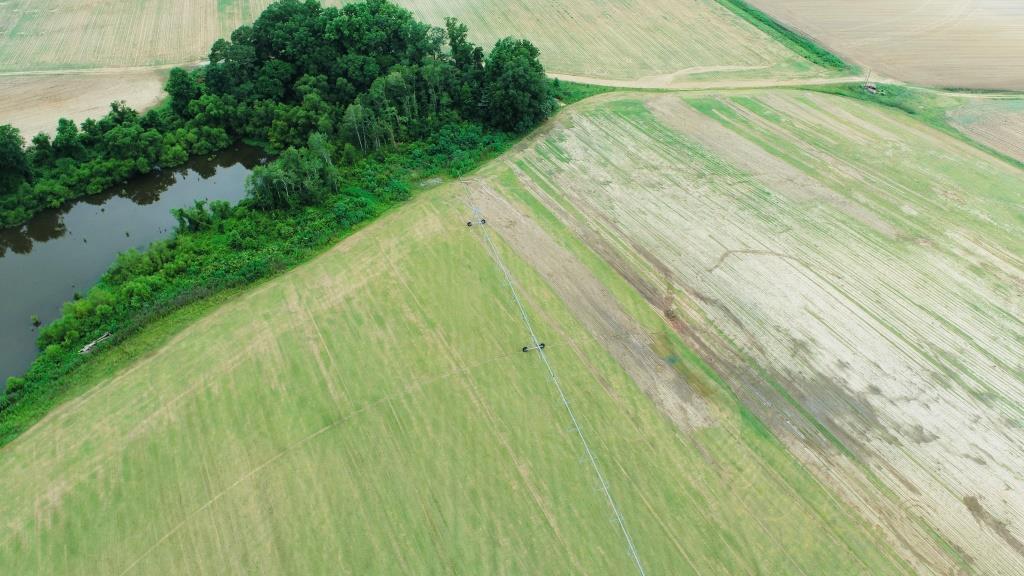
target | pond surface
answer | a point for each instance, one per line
(66, 250)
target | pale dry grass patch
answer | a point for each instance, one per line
(654, 42)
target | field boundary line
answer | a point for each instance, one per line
(561, 393)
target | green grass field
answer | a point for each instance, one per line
(370, 412)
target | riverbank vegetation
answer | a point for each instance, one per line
(360, 104)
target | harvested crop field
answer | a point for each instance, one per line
(661, 42)
(33, 103)
(856, 277)
(38, 35)
(998, 123)
(371, 412)
(950, 43)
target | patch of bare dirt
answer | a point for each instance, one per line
(33, 103)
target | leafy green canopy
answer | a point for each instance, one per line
(14, 168)
(365, 76)
(516, 94)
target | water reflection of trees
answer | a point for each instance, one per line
(43, 227)
(144, 190)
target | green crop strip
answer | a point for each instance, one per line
(802, 45)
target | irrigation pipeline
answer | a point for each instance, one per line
(561, 393)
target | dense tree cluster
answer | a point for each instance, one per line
(365, 76)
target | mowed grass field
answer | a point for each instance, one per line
(948, 43)
(855, 275)
(371, 413)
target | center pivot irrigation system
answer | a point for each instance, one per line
(537, 345)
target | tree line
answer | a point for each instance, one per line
(365, 76)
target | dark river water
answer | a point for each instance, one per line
(66, 250)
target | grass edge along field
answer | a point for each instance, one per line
(416, 444)
(798, 42)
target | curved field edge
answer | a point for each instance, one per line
(381, 385)
(33, 103)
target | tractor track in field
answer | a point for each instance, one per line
(538, 346)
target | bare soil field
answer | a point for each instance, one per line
(33, 103)
(998, 123)
(949, 43)
(856, 276)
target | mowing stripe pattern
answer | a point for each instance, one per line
(535, 344)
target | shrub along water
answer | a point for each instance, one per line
(359, 103)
